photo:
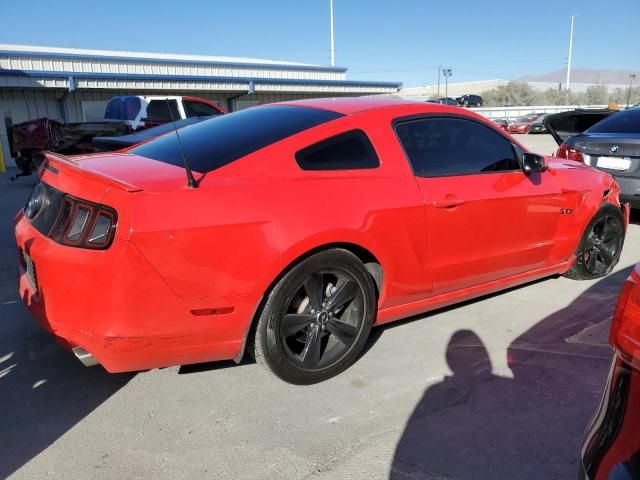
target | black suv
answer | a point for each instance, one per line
(470, 100)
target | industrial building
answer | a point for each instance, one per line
(74, 85)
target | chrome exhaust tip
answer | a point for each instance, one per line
(87, 359)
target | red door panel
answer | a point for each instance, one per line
(488, 226)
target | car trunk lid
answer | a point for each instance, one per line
(92, 174)
(616, 153)
(568, 124)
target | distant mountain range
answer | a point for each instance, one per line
(585, 75)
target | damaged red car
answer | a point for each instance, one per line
(287, 231)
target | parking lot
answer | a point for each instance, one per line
(500, 387)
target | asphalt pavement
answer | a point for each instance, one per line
(496, 388)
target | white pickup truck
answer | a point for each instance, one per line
(147, 111)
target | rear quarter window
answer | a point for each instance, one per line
(221, 140)
(348, 151)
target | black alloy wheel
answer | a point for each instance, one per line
(323, 319)
(600, 246)
(317, 318)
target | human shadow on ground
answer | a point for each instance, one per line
(478, 425)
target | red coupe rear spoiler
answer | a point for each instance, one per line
(55, 162)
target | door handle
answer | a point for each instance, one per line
(449, 201)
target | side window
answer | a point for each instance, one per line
(453, 146)
(158, 110)
(347, 151)
(193, 108)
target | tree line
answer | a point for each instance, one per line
(521, 93)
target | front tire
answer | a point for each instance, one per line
(317, 318)
(601, 245)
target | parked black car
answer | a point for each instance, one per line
(538, 125)
(469, 100)
(605, 140)
(447, 101)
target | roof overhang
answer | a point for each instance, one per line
(84, 81)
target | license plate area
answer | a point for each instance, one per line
(30, 269)
(614, 163)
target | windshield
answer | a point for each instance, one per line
(221, 140)
(621, 122)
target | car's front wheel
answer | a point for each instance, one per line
(600, 246)
(317, 318)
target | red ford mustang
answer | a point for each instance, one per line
(288, 230)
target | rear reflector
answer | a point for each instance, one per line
(212, 311)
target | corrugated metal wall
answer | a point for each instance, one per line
(37, 103)
(73, 101)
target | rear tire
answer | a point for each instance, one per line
(316, 320)
(600, 246)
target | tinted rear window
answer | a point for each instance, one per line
(213, 143)
(348, 151)
(621, 122)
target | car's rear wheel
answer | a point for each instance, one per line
(600, 246)
(317, 318)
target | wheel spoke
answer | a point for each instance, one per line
(310, 356)
(342, 331)
(345, 293)
(591, 263)
(295, 322)
(313, 288)
(606, 256)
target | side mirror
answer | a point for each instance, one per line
(533, 163)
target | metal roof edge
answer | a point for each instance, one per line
(200, 78)
(168, 61)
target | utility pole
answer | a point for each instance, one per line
(570, 51)
(333, 50)
(439, 73)
(447, 73)
(632, 77)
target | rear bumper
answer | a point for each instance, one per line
(612, 444)
(629, 190)
(114, 305)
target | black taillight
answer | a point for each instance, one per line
(84, 224)
(69, 220)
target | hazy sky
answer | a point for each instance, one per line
(403, 40)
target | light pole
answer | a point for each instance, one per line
(332, 48)
(447, 72)
(632, 77)
(570, 51)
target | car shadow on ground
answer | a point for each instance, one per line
(44, 390)
(476, 424)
